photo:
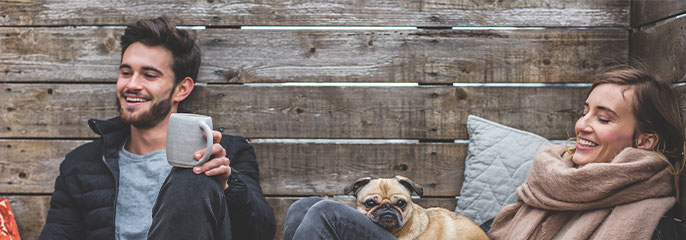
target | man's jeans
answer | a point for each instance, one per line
(190, 206)
(315, 218)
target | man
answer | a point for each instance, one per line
(106, 189)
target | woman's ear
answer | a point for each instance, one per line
(646, 141)
(183, 89)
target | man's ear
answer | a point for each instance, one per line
(646, 141)
(183, 89)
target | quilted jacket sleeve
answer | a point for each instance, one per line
(251, 216)
(64, 219)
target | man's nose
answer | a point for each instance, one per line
(134, 82)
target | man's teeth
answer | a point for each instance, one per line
(586, 143)
(130, 99)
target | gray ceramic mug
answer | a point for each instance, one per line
(185, 137)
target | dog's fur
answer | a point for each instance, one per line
(387, 202)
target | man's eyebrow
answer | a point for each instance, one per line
(152, 69)
(146, 68)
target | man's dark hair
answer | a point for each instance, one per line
(162, 32)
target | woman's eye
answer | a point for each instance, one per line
(370, 203)
(604, 120)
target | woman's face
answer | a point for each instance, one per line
(607, 124)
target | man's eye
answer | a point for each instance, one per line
(150, 75)
(370, 203)
(125, 73)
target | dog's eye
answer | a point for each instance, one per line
(370, 203)
(401, 204)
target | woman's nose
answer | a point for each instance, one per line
(582, 125)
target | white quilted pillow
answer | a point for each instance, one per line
(498, 161)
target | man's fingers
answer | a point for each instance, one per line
(216, 137)
(217, 151)
(219, 171)
(211, 165)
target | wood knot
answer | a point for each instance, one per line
(460, 94)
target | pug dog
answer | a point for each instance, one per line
(387, 202)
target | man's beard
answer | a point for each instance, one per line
(149, 118)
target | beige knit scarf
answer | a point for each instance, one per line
(623, 199)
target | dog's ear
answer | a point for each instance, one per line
(410, 185)
(356, 186)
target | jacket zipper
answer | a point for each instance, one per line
(116, 192)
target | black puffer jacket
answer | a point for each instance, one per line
(82, 205)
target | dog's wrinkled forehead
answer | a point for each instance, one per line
(384, 187)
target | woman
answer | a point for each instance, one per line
(618, 181)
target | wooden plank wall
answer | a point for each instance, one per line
(659, 40)
(58, 65)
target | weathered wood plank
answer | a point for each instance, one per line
(346, 12)
(663, 48)
(326, 169)
(30, 211)
(245, 56)
(31, 166)
(646, 11)
(422, 112)
(47, 110)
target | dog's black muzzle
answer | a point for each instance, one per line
(388, 217)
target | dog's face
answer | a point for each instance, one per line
(386, 201)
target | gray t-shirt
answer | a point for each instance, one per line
(140, 180)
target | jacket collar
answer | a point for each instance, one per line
(113, 132)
